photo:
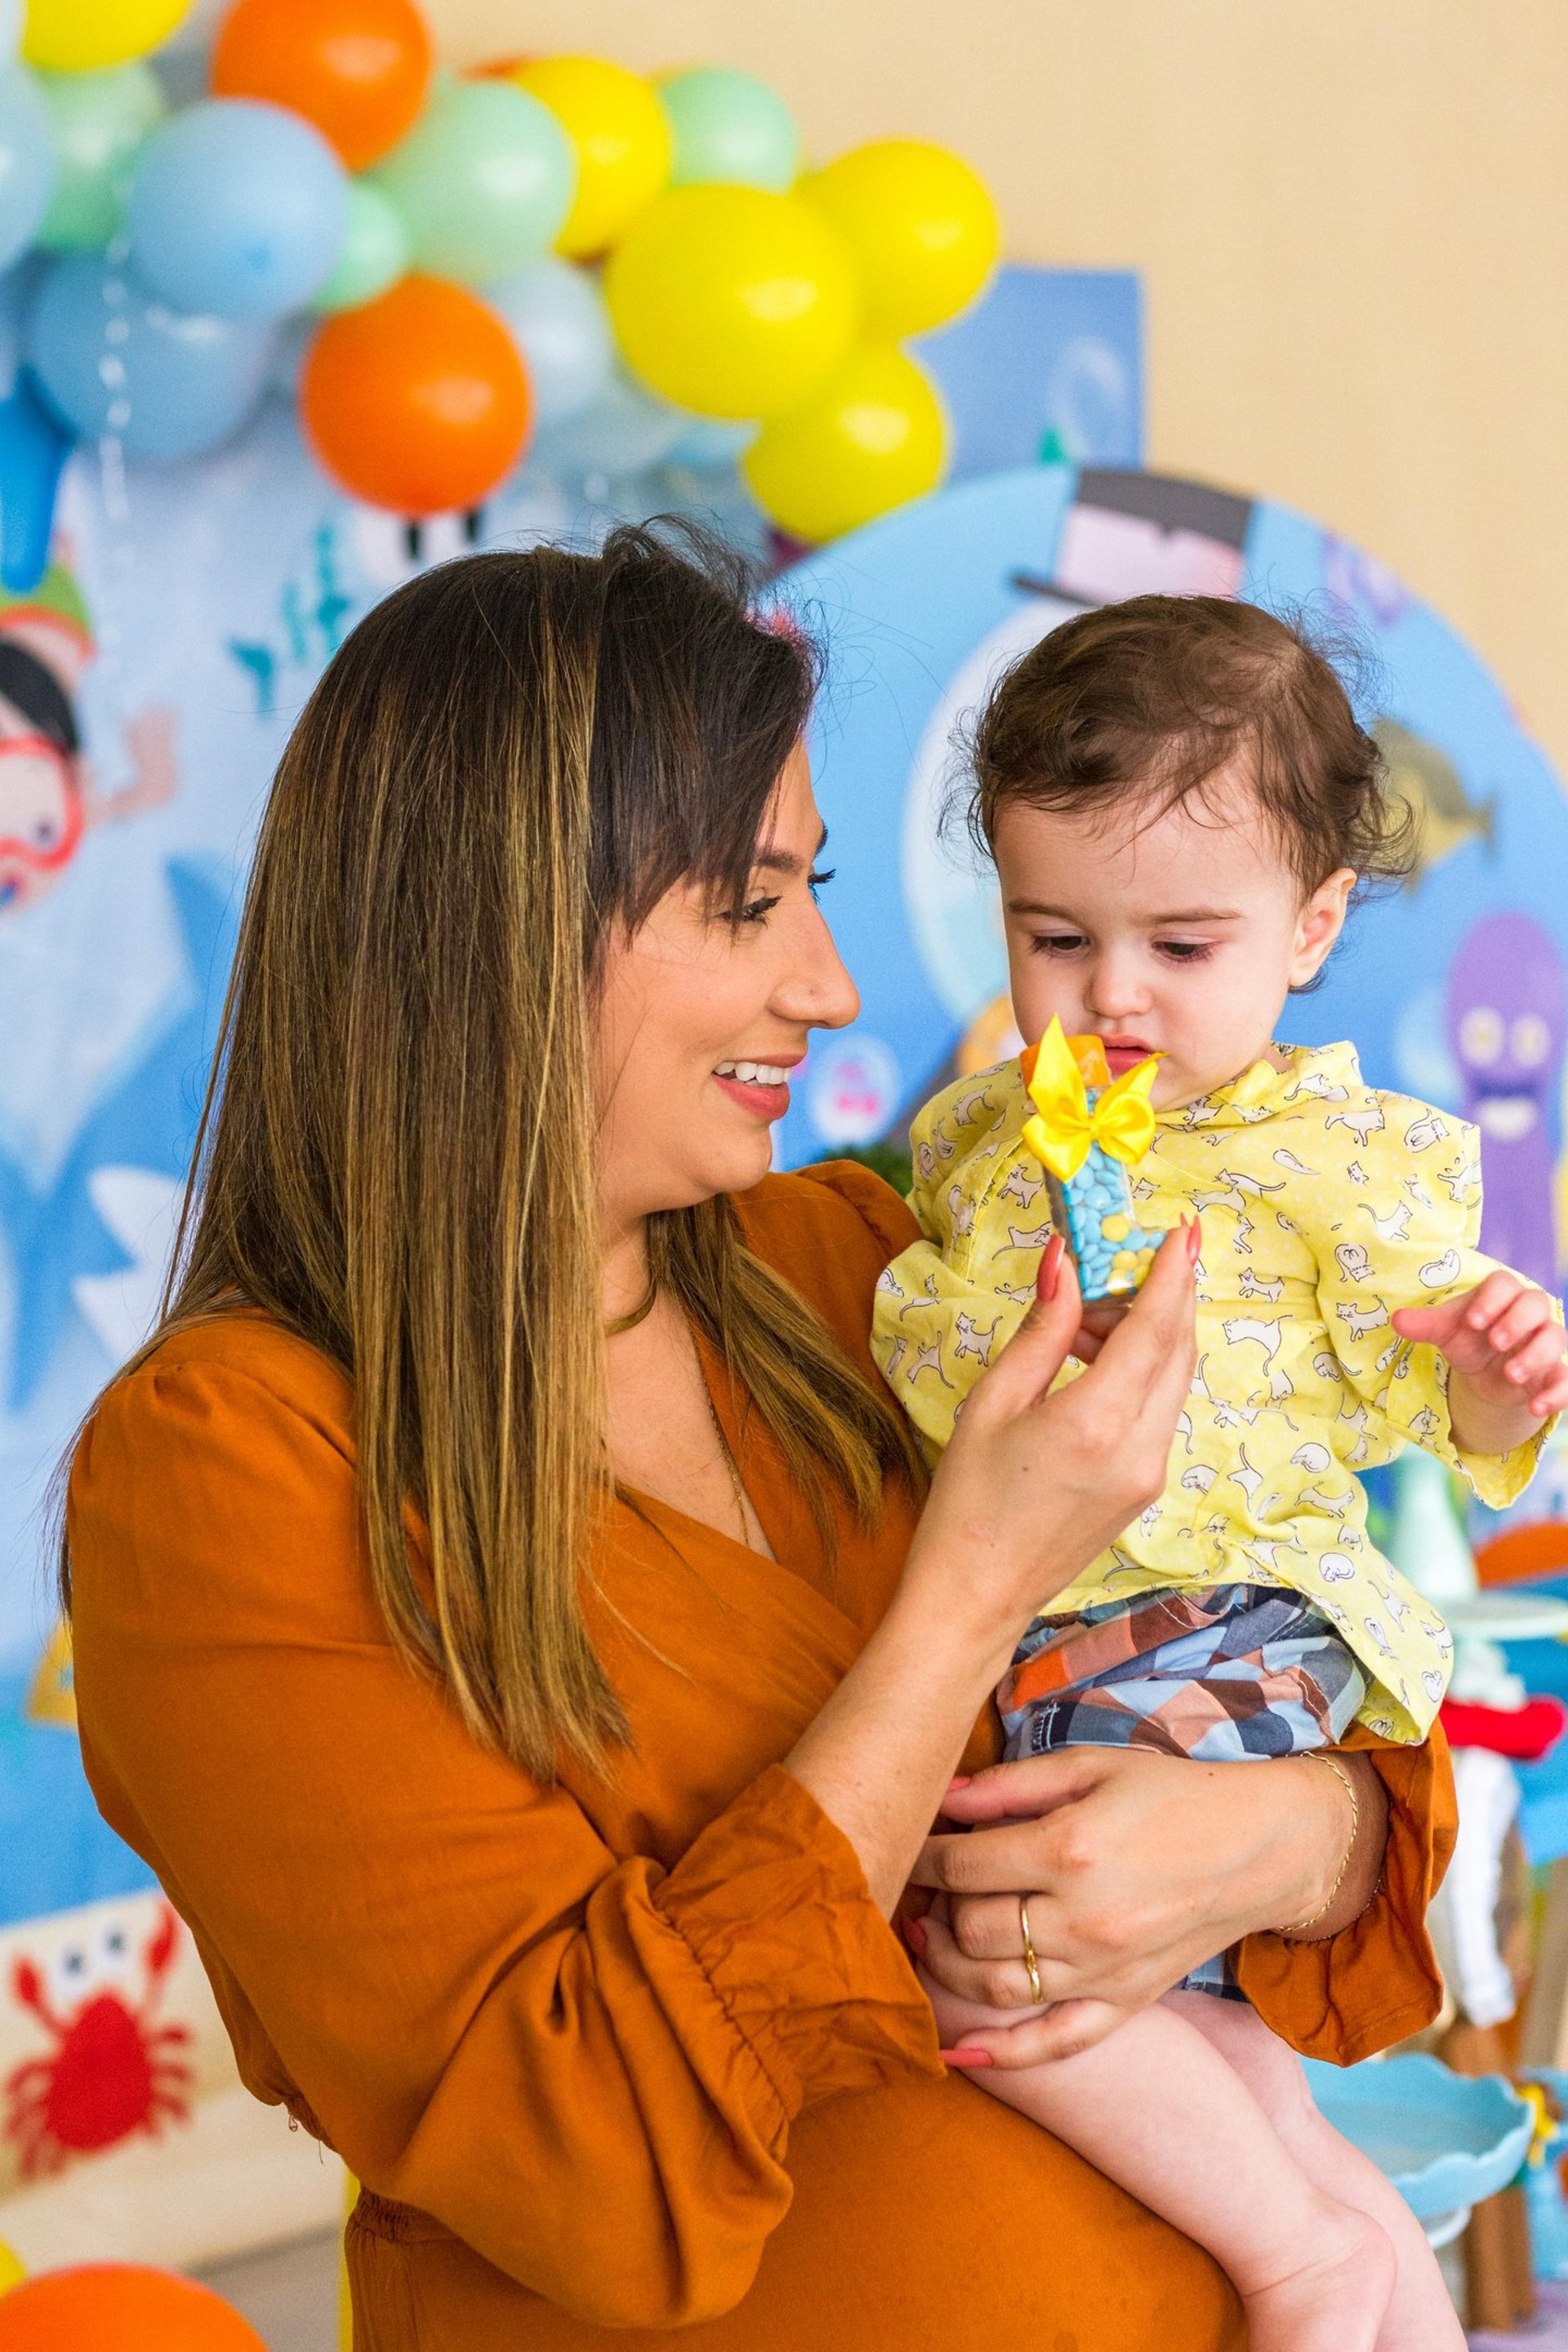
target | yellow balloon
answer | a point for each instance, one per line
(921, 225)
(874, 436)
(731, 301)
(12, 2273)
(80, 36)
(622, 137)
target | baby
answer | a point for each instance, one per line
(1180, 805)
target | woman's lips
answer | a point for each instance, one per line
(760, 1088)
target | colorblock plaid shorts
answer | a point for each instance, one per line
(1226, 1673)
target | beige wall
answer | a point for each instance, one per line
(1352, 217)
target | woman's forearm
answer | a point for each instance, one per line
(879, 1757)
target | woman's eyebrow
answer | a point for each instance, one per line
(784, 861)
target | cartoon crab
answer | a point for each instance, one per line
(112, 2070)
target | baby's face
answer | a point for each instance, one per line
(1179, 934)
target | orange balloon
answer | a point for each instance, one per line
(419, 402)
(120, 2308)
(358, 70)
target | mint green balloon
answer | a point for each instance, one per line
(731, 130)
(100, 120)
(484, 181)
(374, 254)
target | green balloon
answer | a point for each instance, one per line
(730, 130)
(100, 120)
(374, 254)
(484, 181)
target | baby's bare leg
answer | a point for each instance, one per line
(1156, 2107)
(1420, 2315)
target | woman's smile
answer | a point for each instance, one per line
(760, 1088)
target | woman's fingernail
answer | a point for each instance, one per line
(960, 1780)
(915, 1937)
(964, 2057)
(1051, 1269)
(1194, 1240)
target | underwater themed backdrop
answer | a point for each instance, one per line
(160, 628)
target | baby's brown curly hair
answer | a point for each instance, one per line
(1152, 696)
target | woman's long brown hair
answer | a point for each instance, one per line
(506, 766)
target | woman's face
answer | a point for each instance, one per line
(702, 1017)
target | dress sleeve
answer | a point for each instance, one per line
(1412, 1242)
(583, 2064)
(1377, 1981)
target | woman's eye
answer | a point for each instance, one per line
(1186, 950)
(1057, 942)
(756, 911)
(814, 882)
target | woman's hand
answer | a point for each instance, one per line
(1136, 1867)
(1034, 1485)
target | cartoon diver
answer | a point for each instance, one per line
(1430, 785)
(49, 798)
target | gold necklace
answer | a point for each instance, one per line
(736, 1487)
(639, 1314)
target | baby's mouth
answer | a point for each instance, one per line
(1125, 1052)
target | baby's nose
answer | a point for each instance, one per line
(1116, 988)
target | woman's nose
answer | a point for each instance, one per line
(818, 991)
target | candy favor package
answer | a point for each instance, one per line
(1089, 1131)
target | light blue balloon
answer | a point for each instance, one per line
(27, 161)
(730, 131)
(557, 317)
(709, 442)
(113, 359)
(625, 430)
(238, 210)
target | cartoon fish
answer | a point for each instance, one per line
(1429, 784)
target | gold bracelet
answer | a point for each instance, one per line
(1321, 1755)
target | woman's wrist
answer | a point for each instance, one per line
(939, 1601)
(1335, 1848)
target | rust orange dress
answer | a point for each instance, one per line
(613, 2059)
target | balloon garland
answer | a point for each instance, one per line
(554, 242)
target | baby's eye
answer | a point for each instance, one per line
(1186, 950)
(1057, 942)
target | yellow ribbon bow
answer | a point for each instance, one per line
(1120, 1119)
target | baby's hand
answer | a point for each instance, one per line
(1501, 1340)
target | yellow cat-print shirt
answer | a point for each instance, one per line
(1326, 1205)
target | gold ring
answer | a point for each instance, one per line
(1031, 1958)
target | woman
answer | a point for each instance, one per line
(506, 1616)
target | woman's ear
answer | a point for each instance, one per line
(1319, 923)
